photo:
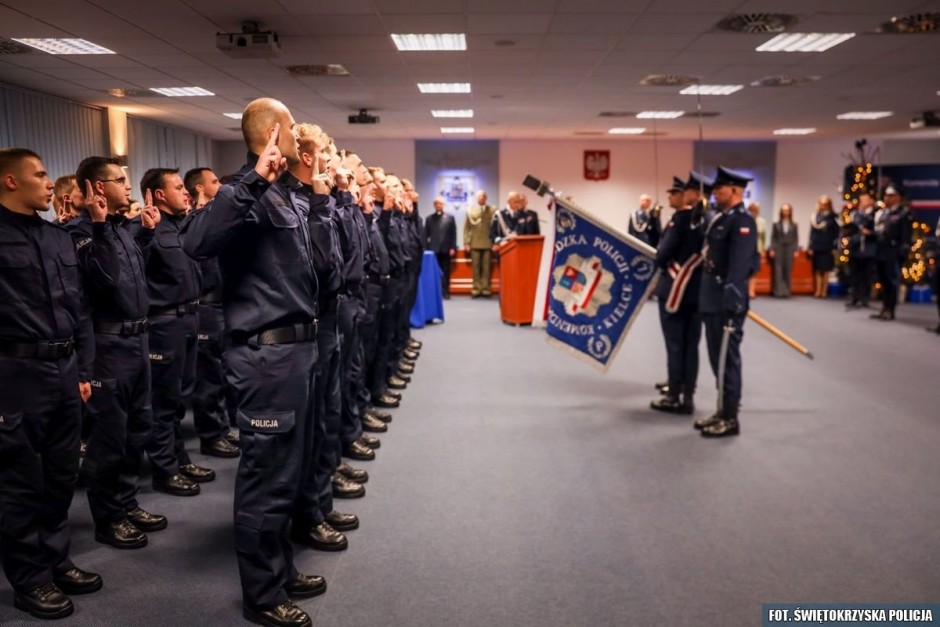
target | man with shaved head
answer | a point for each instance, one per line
(258, 230)
(440, 237)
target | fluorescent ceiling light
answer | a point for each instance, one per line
(794, 131)
(444, 88)
(711, 90)
(457, 129)
(660, 115)
(65, 46)
(864, 115)
(177, 92)
(620, 130)
(804, 42)
(234, 116)
(452, 113)
(413, 43)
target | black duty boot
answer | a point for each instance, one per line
(727, 426)
(668, 403)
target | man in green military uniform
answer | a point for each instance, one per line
(477, 242)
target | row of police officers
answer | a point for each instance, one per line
(280, 307)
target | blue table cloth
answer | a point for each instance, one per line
(429, 304)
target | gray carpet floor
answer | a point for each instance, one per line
(519, 487)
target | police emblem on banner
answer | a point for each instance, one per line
(600, 279)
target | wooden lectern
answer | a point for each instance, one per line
(519, 260)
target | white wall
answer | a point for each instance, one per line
(633, 171)
(807, 169)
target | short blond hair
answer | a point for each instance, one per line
(311, 137)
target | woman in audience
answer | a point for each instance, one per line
(783, 245)
(822, 244)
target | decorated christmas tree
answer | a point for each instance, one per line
(914, 267)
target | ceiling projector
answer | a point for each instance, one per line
(363, 117)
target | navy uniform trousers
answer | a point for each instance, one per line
(40, 425)
(714, 330)
(384, 356)
(682, 331)
(368, 355)
(351, 312)
(122, 423)
(210, 414)
(316, 495)
(272, 385)
(173, 369)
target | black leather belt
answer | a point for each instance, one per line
(304, 332)
(176, 310)
(211, 298)
(121, 327)
(47, 351)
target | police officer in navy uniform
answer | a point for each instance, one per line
(112, 262)
(46, 353)
(679, 256)
(311, 525)
(173, 285)
(208, 398)
(258, 232)
(730, 259)
(862, 246)
(893, 232)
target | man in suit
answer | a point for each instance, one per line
(861, 250)
(440, 237)
(478, 243)
(730, 259)
(893, 232)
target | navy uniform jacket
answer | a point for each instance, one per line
(173, 277)
(113, 267)
(893, 229)
(353, 238)
(40, 287)
(211, 275)
(649, 234)
(378, 263)
(730, 260)
(264, 250)
(823, 239)
(440, 232)
(326, 250)
(679, 242)
(391, 236)
(862, 246)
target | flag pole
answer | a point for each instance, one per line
(789, 341)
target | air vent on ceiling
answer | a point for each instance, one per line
(122, 92)
(911, 24)
(757, 23)
(617, 114)
(329, 69)
(784, 81)
(8, 46)
(703, 114)
(669, 80)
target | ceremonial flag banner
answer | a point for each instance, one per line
(598, 282)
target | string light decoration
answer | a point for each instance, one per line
(914, 269)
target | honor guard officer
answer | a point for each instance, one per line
(112, 261)
(257, 230)
(208, 397)
(730, 259)
(893, 232)
(679, 255)
(173, 285)
(46, 354)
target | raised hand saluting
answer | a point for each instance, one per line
(150, 215)
(95, 205)
(271, 163)
(322, 183)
